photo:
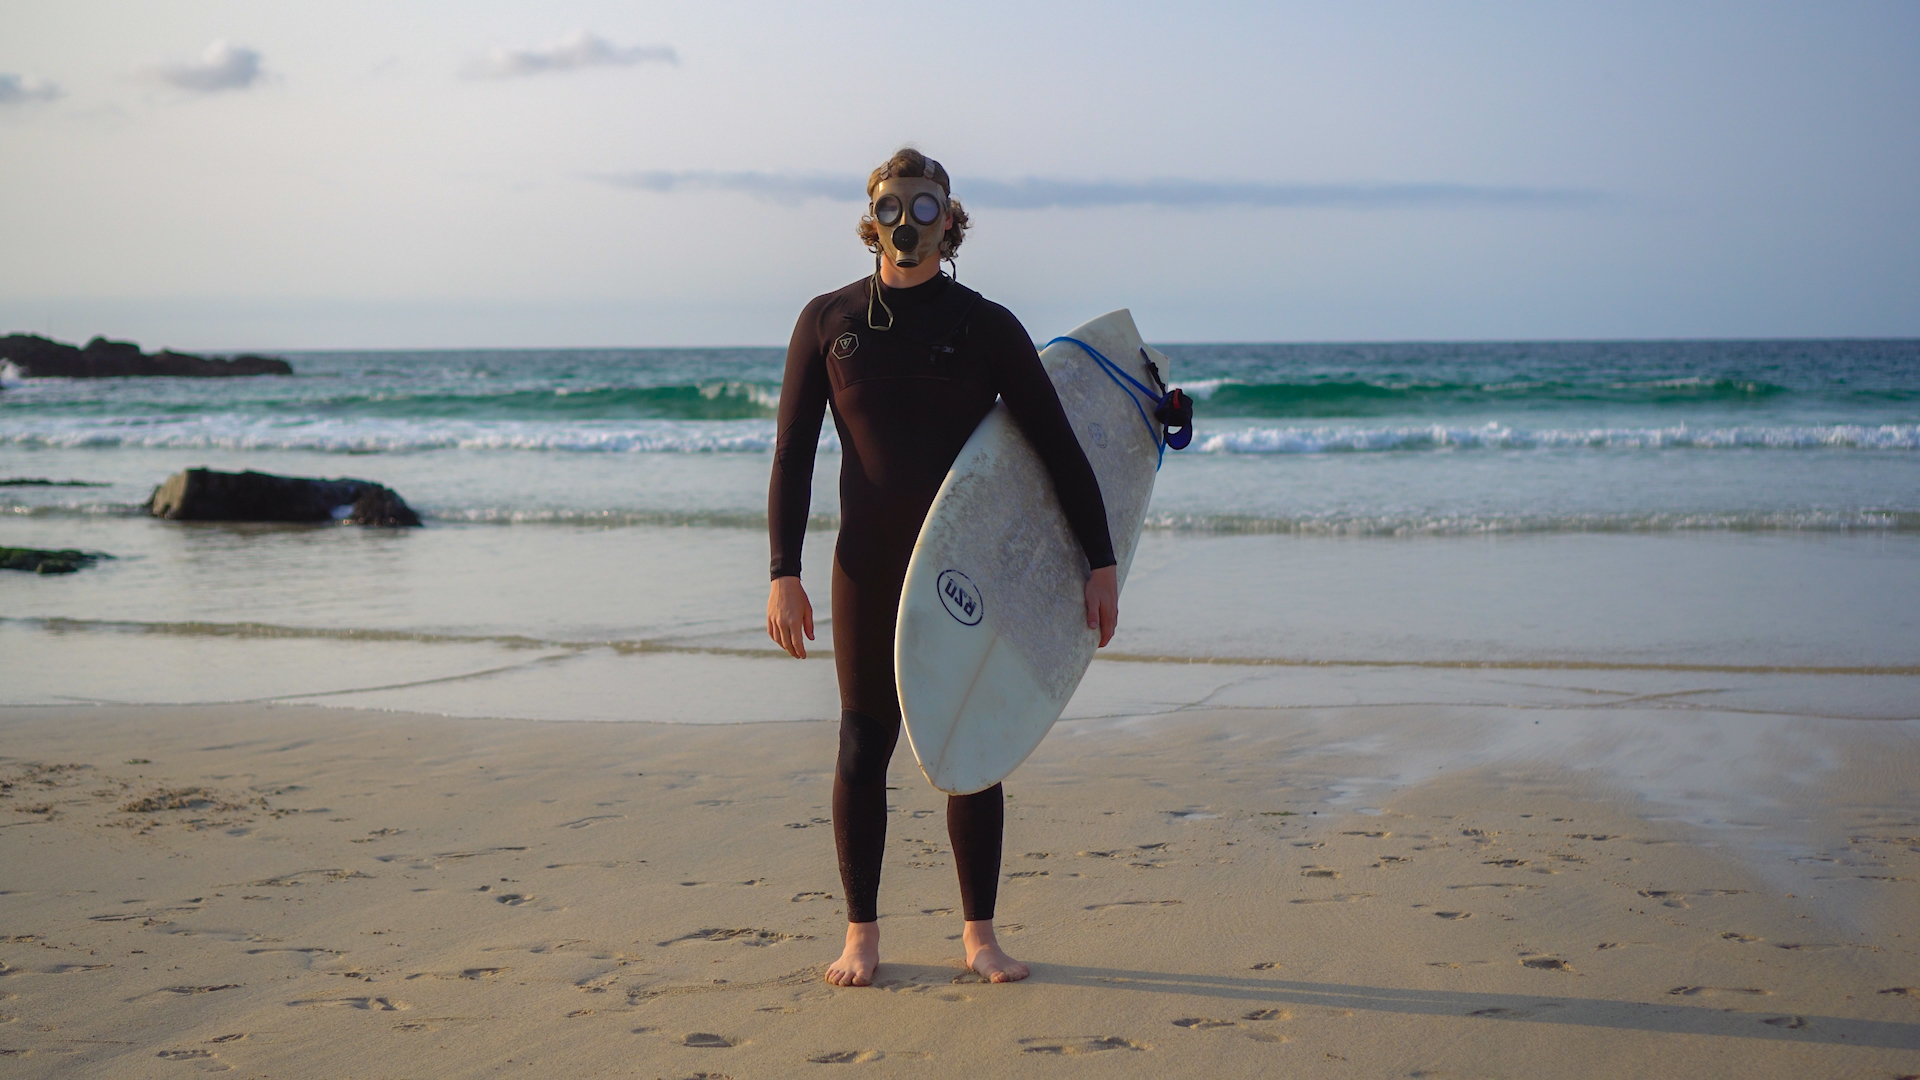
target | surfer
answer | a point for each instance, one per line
(910, 361)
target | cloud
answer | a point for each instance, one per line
(583, 50)
(1038, 194)
(772, 187)
(224, 66)
(25, 89)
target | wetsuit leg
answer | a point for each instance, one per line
(869, 730)
(860, 809)
(865, 606)
(974, 825)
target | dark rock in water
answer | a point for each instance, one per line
(39, 358)
(206, 495)
(35, 561)
(35, 481)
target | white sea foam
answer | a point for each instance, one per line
(1357, 438)
(1202, 389)
(376, 435)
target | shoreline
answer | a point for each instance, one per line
(359, 893)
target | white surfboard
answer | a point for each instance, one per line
(992, 638)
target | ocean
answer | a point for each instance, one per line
(595, 516)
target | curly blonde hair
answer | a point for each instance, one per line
(910, 162)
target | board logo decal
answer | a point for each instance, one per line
(961, 597)
(845, 345)
(1097, 433)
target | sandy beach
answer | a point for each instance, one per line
(300, 891)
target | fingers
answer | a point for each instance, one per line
(789, 614)
(1093, 610)
(783, 634)
(1109, 621)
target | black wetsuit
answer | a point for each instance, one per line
(904, 401)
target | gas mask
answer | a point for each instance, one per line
(908, 209)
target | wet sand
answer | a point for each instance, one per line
(1428, 884)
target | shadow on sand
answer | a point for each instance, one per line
(1548, 1009)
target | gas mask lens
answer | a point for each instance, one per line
(926, 209)
(887, 210)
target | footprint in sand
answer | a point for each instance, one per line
(1133, 903)
(1547, 963)
(1268, 1014)
(197, 989)
(1267, 965)
(1074, 1045)
(846, 1057)
(1791, 1023)
(1741, 938)
(1338, 898)
(708, 1040)
(745, 936)
(1901, 991)
(1697, 991)
(1319, 872)
(455, 855)
(1454, 914)
(514, 899)
(207, 1060)
(588, 822)
(371, 1004)
(1203, 1023)
(1675, 898)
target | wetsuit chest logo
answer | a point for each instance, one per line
(961, 597)
(845, 345)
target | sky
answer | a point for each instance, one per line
(422, 174)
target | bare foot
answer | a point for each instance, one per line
(986, 957)
(862, 956)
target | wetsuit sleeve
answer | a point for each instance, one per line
(803, 404)
(1029, 394)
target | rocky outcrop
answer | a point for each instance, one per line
(36, 561)
(206, 495)
(37, 357)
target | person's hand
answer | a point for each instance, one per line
(1103, 602)
(789, 614)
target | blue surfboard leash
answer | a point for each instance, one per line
(1160, 401)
